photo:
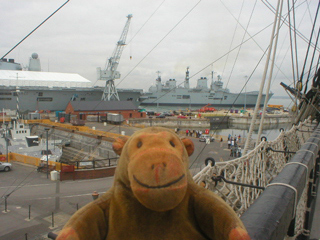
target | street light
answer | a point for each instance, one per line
(119, 123)
(47, 130)
(245, 94)
(6, 138)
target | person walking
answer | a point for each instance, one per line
(208, 140)
(239, 152)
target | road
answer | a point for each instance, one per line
(26, 188)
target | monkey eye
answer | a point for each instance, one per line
(139, 144)
(172, 144)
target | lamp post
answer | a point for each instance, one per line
(47, 130)
(245, 94)
(119, 123)
(6, 138)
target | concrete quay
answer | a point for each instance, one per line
(209, 119)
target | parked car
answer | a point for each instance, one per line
(167, 114)
(182, 116)
(204, 137)
(5, 166)
(161, 116)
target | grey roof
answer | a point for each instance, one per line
(47, 79)
(103, 105)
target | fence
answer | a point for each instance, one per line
(83, 129)
(29, 160)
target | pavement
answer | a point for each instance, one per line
(19, 220)
(35, 207)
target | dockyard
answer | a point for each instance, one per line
(245, 109)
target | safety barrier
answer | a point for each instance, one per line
(83, 129)
(29, 160)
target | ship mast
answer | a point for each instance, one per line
(110, 73)
(186, 82)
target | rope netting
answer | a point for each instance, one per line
(258, 168)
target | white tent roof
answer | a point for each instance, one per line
(48, 79)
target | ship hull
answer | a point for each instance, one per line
(201, 99)
(56, 99)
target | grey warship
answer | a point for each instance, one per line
(33, 89)
(169, 94)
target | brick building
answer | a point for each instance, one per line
(83, 108)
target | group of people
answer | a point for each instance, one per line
(194, 133)
(235, 150)
(233, 141)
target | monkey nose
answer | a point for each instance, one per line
(158, 165)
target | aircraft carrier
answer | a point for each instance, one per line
(32, 89)
(169, 94)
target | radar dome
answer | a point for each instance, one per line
(34, 55)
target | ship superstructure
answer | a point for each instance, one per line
(171, 94)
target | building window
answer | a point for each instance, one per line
(5, 99)
(186, 96)
(82, 99)
(141, 114)
(48, 99)
(40, 94)
(130, 115)
(5, 93)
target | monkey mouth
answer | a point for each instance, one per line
(159, 186)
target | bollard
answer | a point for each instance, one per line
(77, 206)
(95, 195)
(29, 212)
(26, 236)
(5, 203)
(52, 235)
(52, 219)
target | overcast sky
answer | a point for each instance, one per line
(166, 36)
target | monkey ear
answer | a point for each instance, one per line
(188, 145)
(118, 144)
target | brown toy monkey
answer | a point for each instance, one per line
(155, 197)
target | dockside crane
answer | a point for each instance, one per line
(110, 73)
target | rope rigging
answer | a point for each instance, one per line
(35, 29)
(20, 185)
(304, 38)
(263, 78)
(309, 44)
(291, 46)
(316, 79)
(233, 36)
(239, 49)
(312, 58)
(270, 74)
(160, 41)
